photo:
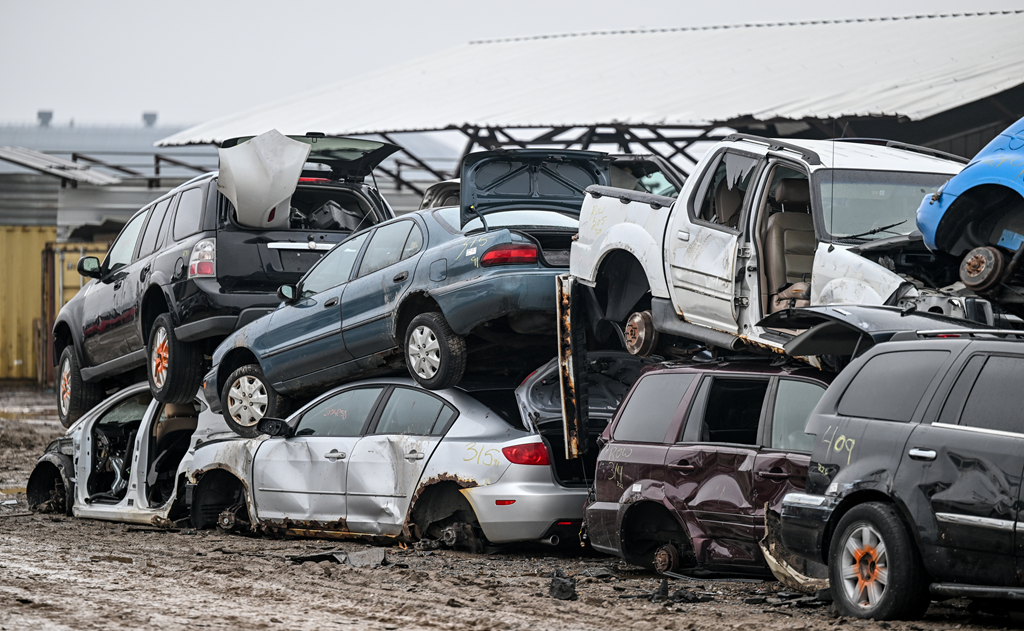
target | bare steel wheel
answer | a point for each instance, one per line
(248, 397)
(435, 354)
(874, 566)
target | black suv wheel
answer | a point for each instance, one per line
(873, 566)
(175, 368)
(76, 396)
(248, 397)
(436, 355)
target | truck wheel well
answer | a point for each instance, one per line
(216, 492)
(62, 338)
(413, 305)
(153, 304)
(622, 286)
(647, 525)
(849, 502)
(234, 359)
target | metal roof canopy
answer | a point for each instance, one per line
(52, 165)
(665, 90)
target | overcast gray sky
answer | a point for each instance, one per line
(105, 62)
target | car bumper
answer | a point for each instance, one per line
(509, 291)
(603, 520)
(538, 509)
(804, 518)
(205, 310)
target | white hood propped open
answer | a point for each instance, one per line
(259, 177)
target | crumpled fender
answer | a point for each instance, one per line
(36, 495)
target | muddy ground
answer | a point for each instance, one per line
(64, 573)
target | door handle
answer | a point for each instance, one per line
(145, 273)
(400, 277)
(414, 455)
(117, 285)
(682, 465)
(331, 302)
(334, 454)
(921, 454)
(774, 474)
(682, 235)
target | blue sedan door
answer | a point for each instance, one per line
(305, 336)
(385, 274)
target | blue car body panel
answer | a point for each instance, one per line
(1000, 163)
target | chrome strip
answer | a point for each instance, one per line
(980, 430)
(304, 492)
(375, 495)
(289, 245)
(804, 499)
(367, 321)
(971, 520)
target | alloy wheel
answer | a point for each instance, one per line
(247, 400)
(424, 352)
(65, 387)
(159, 358)
(865, 567)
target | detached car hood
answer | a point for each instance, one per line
(540, 179)
(851, 329)
(347, 158)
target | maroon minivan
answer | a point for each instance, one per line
(692, 456)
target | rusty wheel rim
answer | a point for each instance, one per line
(65, 386)
(159, 358)
(424, 352)
(865, 567)
(247, 400)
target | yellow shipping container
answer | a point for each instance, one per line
(21, 251)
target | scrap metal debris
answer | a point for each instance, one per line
(372, 558)
(679, 596)
(563, 586)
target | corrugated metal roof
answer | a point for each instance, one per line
(912, 66)
(58, 167)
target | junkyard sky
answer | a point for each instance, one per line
(191, 61)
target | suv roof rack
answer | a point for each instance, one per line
(1007, 334)
(777, 145)
(895, 144)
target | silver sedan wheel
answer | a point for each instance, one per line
(865, 567)
(65, 387)
(424, 352)
(247, 400)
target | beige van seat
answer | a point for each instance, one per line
(789, 248)
(727, 204)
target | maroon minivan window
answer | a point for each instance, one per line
(651, 407)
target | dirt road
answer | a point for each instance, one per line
(65, 573)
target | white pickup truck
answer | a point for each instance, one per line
(760, 226)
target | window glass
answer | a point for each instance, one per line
(414, 243)
(412, 412)
(120, 253)
(156, 219)
(890, 386)
(385, 247)
(733, 411)
(723, 191)
(130, 411)
(189, 213)
(334, 268)
(958, 394)
(343, 414)
(652, 407)
(856, 202)
(510, 219)
(794, 402)
(996, 400)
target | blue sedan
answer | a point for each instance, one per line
(440, 291)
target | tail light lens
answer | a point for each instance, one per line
(203, 261)
(509, 254)
(530, 453)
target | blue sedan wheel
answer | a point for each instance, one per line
(435, 355)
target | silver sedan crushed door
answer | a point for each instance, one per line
(387, 463)
(302, 478)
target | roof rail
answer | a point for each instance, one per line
(1006, 334)
(777, 145)
(895, 144)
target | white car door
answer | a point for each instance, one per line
(387, 463)
(701, 242)
(302, 478)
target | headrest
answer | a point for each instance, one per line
(792, 191)
(727, 202)
(179, 410)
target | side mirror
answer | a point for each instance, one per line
(273, 427)
(287, 293)
(89, 266)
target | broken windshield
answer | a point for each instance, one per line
(870, 205)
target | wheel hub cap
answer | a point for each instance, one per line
(65, 386)
(159, 358)
(247, 400)
(865, 572)
(424, 352)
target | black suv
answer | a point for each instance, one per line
(915, 478)
(207, 258)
